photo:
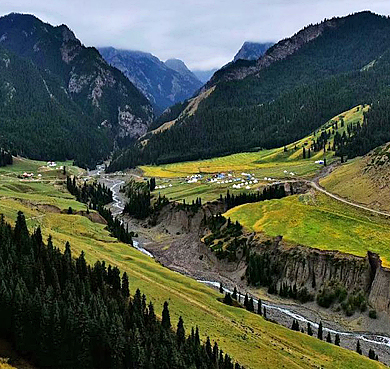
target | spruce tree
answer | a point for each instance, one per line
(358, 348)
(125, 285)
(309, 330)
(228, 299)
(166, 319)
(319, 333)
(180, 332)
(234, 296)
(259, 307)
(329, 338)
(337, 340)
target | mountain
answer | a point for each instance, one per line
(204, 75)
(164, 84)
(297, 85)
(179, 66)
(252, 50)
(60, 99)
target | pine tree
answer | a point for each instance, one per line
(265, 313)
(309, 330)
(180, 332)
(319, 333)
(358, 348)
(220, 288)
(337, 340)
(166, 319)
(329, 338)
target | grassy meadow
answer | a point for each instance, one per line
(264, 163)
(317, 220)
(250, 339)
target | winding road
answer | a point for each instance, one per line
(319, 188)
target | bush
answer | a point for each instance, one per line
(372, 314)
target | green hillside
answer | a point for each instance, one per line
(283, 102)
(250, 339)
(59, 99)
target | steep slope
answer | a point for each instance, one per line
(252, 50)
(297, 85)
(180, 67)
(364, 180)
(80, 94)
(204, 75)
(162, 84)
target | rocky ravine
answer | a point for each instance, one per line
(175, 242)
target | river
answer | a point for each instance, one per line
(380, 343)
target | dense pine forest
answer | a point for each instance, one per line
(96, 196)
(60, 312)
(59, 99)
(5, 158)
(284, 102)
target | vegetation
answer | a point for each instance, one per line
(46, 110)
(63, 313)
(363, 179)
(195, 302)
(5, 158)
(316, 220)
(283, 102)
(272, 162)
(139, 199)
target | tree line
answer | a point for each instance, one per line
(60, 312)
(290, 100)
(5, 158)
(96, 196)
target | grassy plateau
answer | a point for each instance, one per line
(317, 220)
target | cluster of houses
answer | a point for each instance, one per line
(194, 178)
(26, 175)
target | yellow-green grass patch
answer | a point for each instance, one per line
(265, 162)
(318, 221)
(250, 339)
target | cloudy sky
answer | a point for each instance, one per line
(203, 33)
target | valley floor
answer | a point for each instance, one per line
(247, 337)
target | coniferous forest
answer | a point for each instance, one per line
(5, 158)
(284, 102)
(60, 312)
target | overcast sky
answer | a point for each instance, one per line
(203, 33)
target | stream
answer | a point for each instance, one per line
(383, 341)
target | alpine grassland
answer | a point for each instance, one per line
(247, 337)
(316, 220)
(267, 163)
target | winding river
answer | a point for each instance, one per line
(380, 340)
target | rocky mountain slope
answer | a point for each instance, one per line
(60, 95)
(252, 50)
(204, 75)
(164, 84)
(300, 83)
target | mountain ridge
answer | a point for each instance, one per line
(162, 85)
(92, 93)
(291, 90)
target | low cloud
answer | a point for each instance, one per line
(205, 34)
